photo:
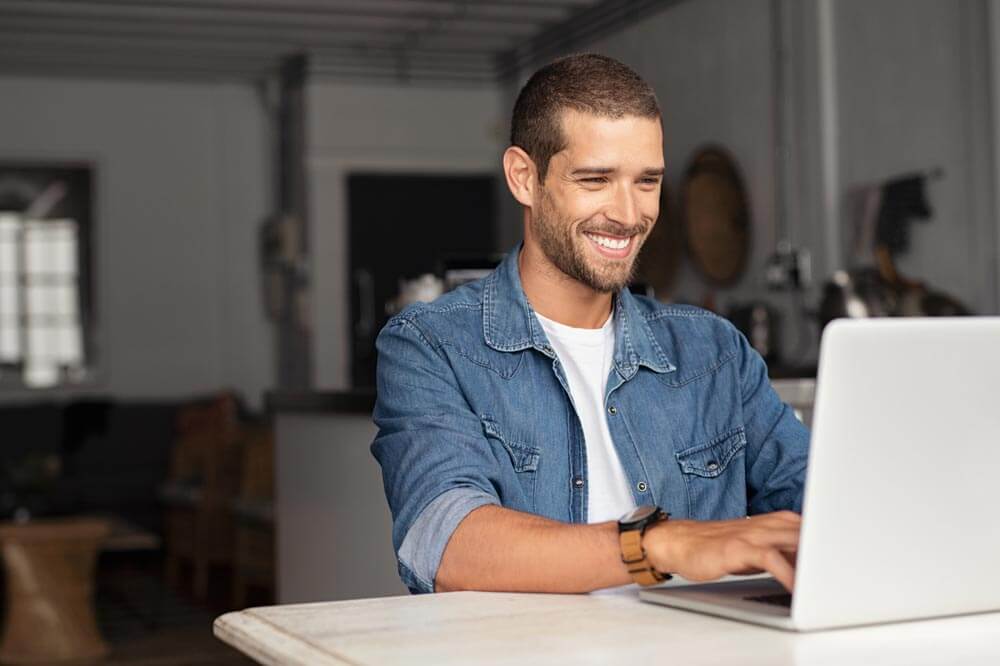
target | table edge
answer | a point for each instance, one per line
(245, 631)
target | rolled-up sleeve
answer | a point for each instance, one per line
(777, 442)
(437, 465)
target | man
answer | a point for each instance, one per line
(521, 415)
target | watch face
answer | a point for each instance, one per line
(638, 515)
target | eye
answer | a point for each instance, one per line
(650, 180)
(596, 179)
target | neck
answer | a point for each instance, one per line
(557, 296)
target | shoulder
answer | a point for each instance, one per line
(682, 318)
(696, 340)
(456, 313)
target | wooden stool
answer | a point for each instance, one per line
(50, 583)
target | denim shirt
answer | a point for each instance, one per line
(473, 408)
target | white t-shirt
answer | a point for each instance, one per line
(586, 356)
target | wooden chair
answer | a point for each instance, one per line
(202, 482)
(253, 512)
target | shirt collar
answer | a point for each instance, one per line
(509, 323)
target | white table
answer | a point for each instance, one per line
(491, 628)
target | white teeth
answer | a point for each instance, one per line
(610, 243)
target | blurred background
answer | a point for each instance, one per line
(208, 209)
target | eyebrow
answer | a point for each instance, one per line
(588, 171)
(603, 171)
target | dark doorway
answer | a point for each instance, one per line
(402, 226)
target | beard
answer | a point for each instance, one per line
(568, 252)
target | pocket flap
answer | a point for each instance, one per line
(711, 459)
(524, 458)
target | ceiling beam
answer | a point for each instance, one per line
(543, 7)
(124, 71)
(586, 26)
(198, 73)
(445, 45)
(179, 17)
(519, 12)
(302, 39)
(405, 40)
(366, 74)
(178, 44)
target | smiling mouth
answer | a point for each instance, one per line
(614, 247)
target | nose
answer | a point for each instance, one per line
(624, 208)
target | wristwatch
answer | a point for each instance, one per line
(631, 528)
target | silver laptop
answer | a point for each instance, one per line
(901, 518)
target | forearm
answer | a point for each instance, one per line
(501, 550)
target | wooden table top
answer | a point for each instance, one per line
(491, 628)
(115, 533)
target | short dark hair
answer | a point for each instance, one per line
(586, 82)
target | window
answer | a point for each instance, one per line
(44, 294)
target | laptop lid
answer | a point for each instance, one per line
(903, 486)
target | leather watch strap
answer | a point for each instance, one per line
(634, 557)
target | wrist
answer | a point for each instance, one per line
(661, 543)
(633, 528)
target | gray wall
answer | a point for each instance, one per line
(182, 183)
(334, 537)
(710, 62)
(872, 89)
(393, 128)
(912, 91)
(814, 97)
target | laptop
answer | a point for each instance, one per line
(901, 515)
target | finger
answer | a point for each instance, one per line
(791, 555)
(787, 517)
(748, 572)
(785, 538)
(772, 561)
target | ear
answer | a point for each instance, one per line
(522, 176)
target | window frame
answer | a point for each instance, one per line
(80, 205)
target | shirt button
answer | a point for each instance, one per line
(641, 486)
(612, 410)
(578, 482)
(712, 466)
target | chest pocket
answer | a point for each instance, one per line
(524, 458)
(516, 484)
(715, 477)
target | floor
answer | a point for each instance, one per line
(181, 646)
(148, 624)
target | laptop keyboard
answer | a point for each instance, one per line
(773, 599)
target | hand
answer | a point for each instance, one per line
(707, 550)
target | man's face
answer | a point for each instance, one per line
(600, 198)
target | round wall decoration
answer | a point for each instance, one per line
(716, 216)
